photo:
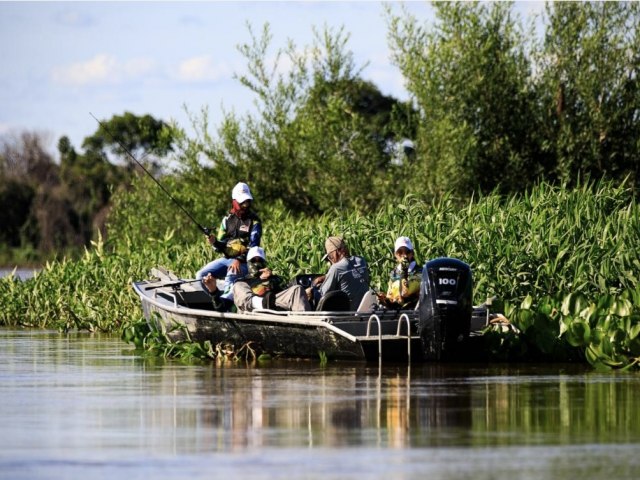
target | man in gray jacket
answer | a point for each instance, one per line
(348, 273)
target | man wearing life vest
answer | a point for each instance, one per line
(404, 280)
(240, 230)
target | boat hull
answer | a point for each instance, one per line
(182, 315)
(273, 336)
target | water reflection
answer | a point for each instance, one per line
(86, 397)
(350, 405)
(19, 273)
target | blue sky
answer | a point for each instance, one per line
(63, 60)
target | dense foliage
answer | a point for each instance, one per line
(522, 161)
(555, 253)
(501, 109)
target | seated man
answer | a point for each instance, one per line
(261, 289)
(404, 281)
(348, 273)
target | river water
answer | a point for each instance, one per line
(87, 406)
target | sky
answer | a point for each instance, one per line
(63, 61)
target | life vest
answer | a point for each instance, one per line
(235, 234)
(260, 287)
(404, 286)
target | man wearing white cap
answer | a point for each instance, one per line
(240, 230)
(404, 281)
(261, 289)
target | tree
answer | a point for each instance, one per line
(318, 141)
(27, 171)
(105, 164)
(19, 195)
(24, 158)
(469, 77)
(589, 73)
(139, 135)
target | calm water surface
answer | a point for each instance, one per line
(80, 406)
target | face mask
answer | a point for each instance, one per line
(255, 267)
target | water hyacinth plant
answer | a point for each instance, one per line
(563, 265)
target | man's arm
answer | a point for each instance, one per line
(330, 282)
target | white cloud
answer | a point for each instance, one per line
(202, 69)
(102, 69)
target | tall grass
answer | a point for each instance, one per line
(532, 252)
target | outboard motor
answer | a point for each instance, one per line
(445, 307)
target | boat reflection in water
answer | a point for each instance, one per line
(403, 407)
(79, 406)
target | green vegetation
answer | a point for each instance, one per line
(58, 208)
(562, 263)
(524, 164)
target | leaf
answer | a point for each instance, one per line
(565, 325)
(621, 307)
(573, 304)
(635, 329)
(580, 333)
(592, 354)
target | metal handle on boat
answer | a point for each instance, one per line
(406, 318)
(175, 299)
(379, 334)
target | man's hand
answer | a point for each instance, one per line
(318, 280)
(211, 239)
(234, 268)
(265, 273)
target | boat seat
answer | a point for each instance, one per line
(334, 301)
(369, 302)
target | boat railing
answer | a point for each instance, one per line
(377, 319)
(403, 318)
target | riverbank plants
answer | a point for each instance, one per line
(562, 263)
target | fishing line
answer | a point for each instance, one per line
(205, 230)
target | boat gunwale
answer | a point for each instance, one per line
(311, 318)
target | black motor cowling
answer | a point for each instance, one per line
(446, 305)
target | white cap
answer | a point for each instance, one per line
(256, 252)
(403, 242)
(241, 193)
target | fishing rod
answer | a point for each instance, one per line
(174, 285)
(205, 230)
